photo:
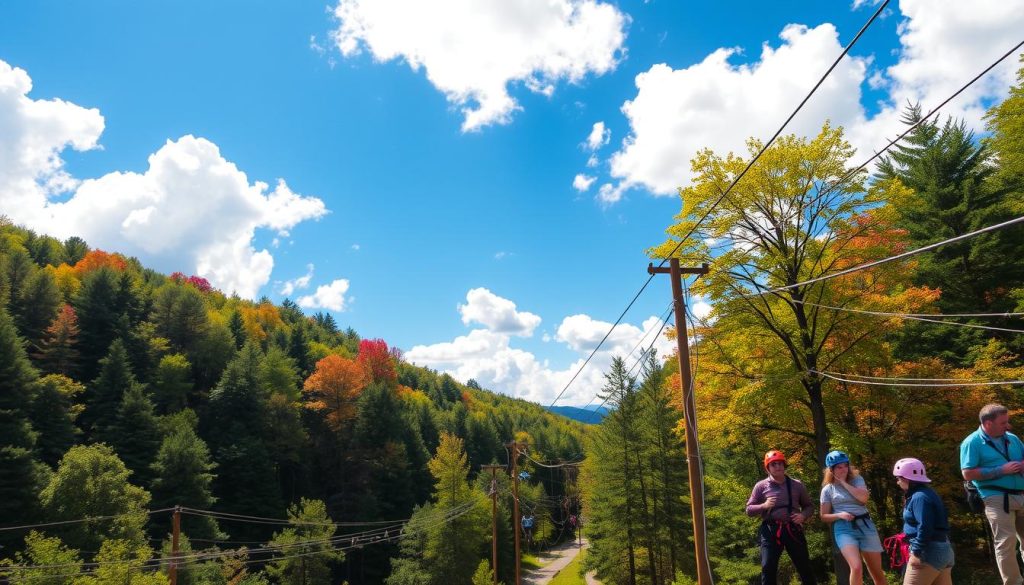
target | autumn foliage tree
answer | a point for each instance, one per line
(794, 217)
(57, 353)
(377, 361)
(333, 388)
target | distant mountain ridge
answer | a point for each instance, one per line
(589, 415)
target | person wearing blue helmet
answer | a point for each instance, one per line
(844, 496)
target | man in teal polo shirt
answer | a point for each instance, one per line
(992, 458)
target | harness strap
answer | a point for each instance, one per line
(898, 549)
(863, 518)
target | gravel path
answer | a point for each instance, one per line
(560, 556)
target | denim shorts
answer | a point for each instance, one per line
(864, 535)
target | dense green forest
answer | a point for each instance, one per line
(297, 451)
(798, 355)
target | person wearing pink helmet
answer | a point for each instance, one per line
(783, 505)
(926, 526)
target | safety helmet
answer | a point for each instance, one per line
(910, 468)
(835, 458)
(773, 455)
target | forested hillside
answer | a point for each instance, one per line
(296, 450)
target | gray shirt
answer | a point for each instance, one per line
(841, 500)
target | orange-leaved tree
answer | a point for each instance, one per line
(333, 388)
(97, 259)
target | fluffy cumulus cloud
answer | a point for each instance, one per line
(944, 44)
(33, 133)
(473, 50)
(488, 356)
(719, 102)
(598, 137)
(329, 296)
(497, 314)
(191, 210)
(290, 286)
(582, 182)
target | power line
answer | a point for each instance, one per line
(385, 536)
(555, 466)
(909, 315)
(936, 383)
(639, 359)
(764, 148)
(902, 256)
(282, 521)
(80, 520)
(916, 317)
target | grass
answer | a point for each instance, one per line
(530, 562)
(570, 575)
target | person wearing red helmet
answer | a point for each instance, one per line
(926, 526)
(783, 505)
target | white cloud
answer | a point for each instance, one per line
(609, 193)
(592, 161)
(497, 314)
(33, 133)
(488, 357)
(717, 104)
(356, 247)
(944, 44)
(191, 210)
(472, 50)
(599, 136)
(582, 182)
(330, 296)
(299, 283)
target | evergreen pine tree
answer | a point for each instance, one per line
(54, 410)
(953, 194)
(96, 308)
(298, 350)
(310, 534)
(237, 327)
(104, 395)
(183, 476)
(233, 428)
(75, 249)
(19, 472)
(134, 434)
(454, 548)
(37, 306)
(172, 383)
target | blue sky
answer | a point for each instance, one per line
(430, 160)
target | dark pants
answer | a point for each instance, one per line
(773, 542)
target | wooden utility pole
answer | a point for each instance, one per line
(516, 521)
(172, 571)
(693, 462)
(494, 519)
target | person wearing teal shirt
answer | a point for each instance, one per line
(993, 459)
